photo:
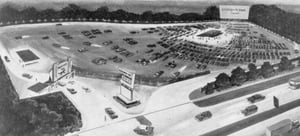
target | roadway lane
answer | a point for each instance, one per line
(245, 91)
(234, 127)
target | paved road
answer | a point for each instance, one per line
(245, 91)
(234, 127)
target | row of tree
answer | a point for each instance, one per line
(239, 76)
(8, 13)
(277, 20)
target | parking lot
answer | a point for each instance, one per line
(154, 50)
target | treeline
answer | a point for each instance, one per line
(72, 11)
(270, 17)
(277, 20)
(239, 76)
(47, 115)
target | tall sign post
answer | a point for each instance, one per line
(61, 70)
(276, 102)
(127, 84)
(126, 96)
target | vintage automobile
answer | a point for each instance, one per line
(256, 98)
(249, 110)
(72, 90)
(111, 113)
(203, 116)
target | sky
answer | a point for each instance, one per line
(288, 2)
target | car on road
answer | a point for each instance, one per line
(111, 113)
(26, 75)
(72, 90)
(203, 116)
(144, 130)
(250, 110)
(256, 98)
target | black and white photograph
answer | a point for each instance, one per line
(149, 67)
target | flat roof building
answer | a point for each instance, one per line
(282, 128)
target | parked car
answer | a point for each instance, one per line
(62, 33)
(72, 90)
(60, 83)
(158, 74)
(92, 36)
(203, 116)
(108, 31)
(6, 59)
(256, 98)
(26, 75)
(149, 51)
(111, 113)
(81, 50)
(176, 74)
(45, 37)
(249, 110)
(86, 89)
(87, 43)
(96, 31)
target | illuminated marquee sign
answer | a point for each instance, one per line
(127, 78)
(61, 69)
(234, 12)
(127, 83)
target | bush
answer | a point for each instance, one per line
(267, 70)
(222, 82)
(238, 76)
(285, 64)
(253, 72)
(209, 88)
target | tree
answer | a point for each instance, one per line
(222, 82)
(212, 13)
(147, 15)
(238, 76)
(253, 72)
(102, 12)
(190, 17)
(8, 13)
(285, 64)
(267, 70)
(209, 88)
